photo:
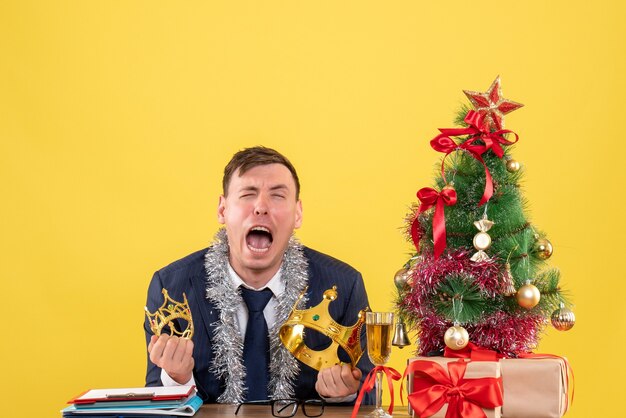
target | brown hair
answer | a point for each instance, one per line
(248, 158)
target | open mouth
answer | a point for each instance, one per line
(259, 239)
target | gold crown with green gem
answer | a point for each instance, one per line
(170, 311)
(318, 318)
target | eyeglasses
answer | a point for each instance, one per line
(285, 408)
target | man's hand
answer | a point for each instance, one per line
(174, 355)
(338, 381)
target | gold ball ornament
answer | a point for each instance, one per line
(449, 186)
(456, 337)
(401, 278)
(512, 166)
(563, 319)
(528, 295)
(543, 248)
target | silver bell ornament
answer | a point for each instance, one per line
(400, 337)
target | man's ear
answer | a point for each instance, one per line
(298, 223)
(221, 207)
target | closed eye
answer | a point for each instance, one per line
(279, 191)
(248, 192)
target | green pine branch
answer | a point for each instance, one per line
(458, 299)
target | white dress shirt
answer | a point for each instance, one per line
(277, 288)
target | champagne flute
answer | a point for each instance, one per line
(379, 327)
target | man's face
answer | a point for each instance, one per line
(260, 213)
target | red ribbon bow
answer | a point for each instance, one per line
(466, 398)
(445, 144)
(370, 382)
(478, 129)
(429, 198)
(493, 140)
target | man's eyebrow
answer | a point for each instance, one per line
(279, 187)
(249, 189)
(256, 188)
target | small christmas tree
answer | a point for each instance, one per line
(479, 271)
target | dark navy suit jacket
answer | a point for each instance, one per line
(188, 275)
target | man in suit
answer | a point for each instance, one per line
(236, 354)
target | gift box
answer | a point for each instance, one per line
(439, 383)
(534, 387)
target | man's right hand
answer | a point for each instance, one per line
(174, 355)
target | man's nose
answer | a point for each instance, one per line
(260, 207)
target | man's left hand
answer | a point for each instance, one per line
(338, 381)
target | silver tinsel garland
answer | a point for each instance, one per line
(228, 342)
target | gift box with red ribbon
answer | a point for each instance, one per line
(454, 388)
(535, 387)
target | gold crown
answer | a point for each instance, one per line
(167, 313)
(318, 318)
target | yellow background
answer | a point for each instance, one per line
(117, 117)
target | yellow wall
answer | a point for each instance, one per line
(117, 117)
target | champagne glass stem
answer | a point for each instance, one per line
(379, 390)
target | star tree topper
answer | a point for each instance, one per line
(492, 104)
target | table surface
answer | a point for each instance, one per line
(224, 410)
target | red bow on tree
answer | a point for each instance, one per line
(493, 140)
(466, 398)
(478, 129)
(429, 198)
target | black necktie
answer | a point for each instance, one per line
(256, 345)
